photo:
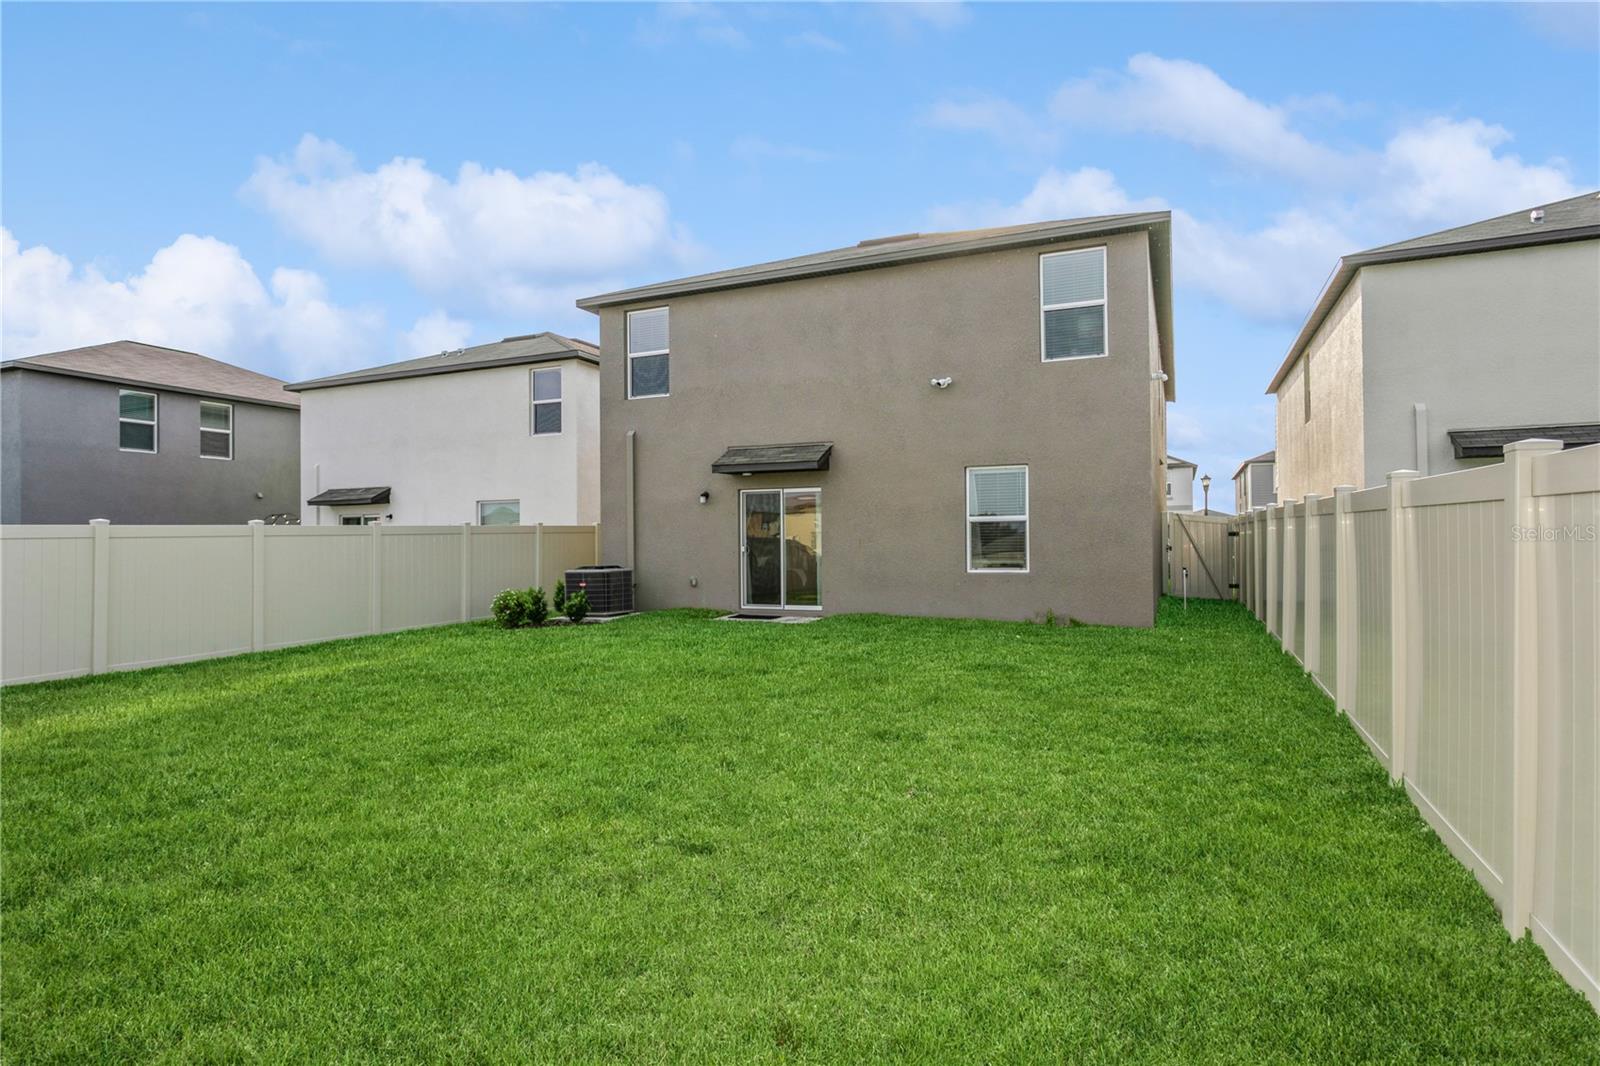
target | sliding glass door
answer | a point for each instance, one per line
(781, 548)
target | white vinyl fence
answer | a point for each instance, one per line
(1456, 620)
(86, 599)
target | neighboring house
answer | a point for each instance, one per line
(1180, 484)
(1432, 353)
(499, 434)
(976, 420)
(146, 435)
(1253, 483)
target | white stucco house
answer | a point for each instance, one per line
(1434, 353)
(1180, 484)
(498, 434)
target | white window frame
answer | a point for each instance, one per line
(631, 355)
(1027, 524)
(493, 503)
(1104, 302)
(534, 405)
(784, 493)
(360, 519)
(154, 423)
(229, 431)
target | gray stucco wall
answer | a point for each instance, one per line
(62, 463)
(848, 359)
(1495, 339)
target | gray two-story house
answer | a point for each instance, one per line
(962, 424)
(145, 435)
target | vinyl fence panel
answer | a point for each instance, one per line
(1456, 619)
(82, 599)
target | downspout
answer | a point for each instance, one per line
(628, 489)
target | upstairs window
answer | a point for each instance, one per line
(546, 401)
(216, 430)
(499, 512)
(1072, 304)
(997, 518)
(136, 418)
(648, 356)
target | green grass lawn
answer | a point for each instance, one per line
(671, 838)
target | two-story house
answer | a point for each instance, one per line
(1180, 484)
(497, 434)
(1432, 354)
(1255, 483)
(145, 435)
(976, 422)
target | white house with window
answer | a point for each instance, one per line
(1180, 484)
(498, 434)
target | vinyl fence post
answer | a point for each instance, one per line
(100, 618)
(1290, 580)
(375, 580)
(1405, 660)
(1313, 656)
(538, 554)
(466, 571)
(1273, 576)
(258, 584)
(1344, 599)
(1521, 594)
(1258, 542)
(597, 543)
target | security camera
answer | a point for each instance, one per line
(941, 383)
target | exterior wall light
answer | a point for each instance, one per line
(705, 497)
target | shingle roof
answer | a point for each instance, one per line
(1173, 460)
(1264, 457)
(771, 458)
(513, 351)
(1491, 443)
(1573, 219)
(343, 497)
(918, 247)
(150, 365)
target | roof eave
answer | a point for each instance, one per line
(187, 390)
(376, 375)
(883, 256)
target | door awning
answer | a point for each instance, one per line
(341, 497)
(1491, 443)
(773, 458)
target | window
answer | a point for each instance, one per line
(647, 353)
(1072, 304)
(216, 430)
(546, 401)
(499, 512)
(136, 417)
(997, 518)
(358, 520)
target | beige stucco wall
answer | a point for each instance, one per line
(1509, 338)
(848, 359)
(1315, 455)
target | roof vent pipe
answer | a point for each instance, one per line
(1536, 215)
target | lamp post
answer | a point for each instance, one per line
(1205, 487)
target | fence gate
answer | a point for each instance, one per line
(1203, 544)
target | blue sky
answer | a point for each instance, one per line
(302, 189)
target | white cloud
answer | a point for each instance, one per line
(820, 41)
(1002, 120)
(1446, 173)
(199, 294)
(490, 236)
(708, 23)
(752, 149)
(1189, 102)
(940, 14)
(434, 332)
(1574, 25)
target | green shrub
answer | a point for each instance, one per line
(559, 600)
(538, 610)
(510, 608)
(577, 606)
